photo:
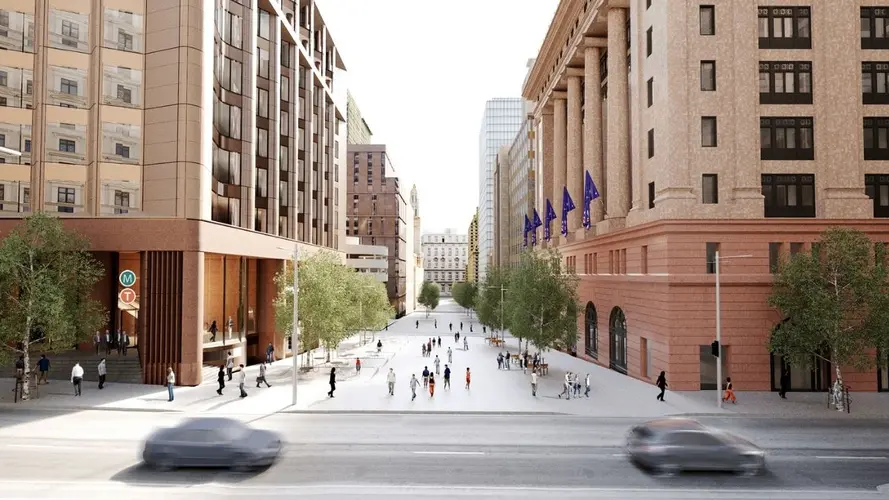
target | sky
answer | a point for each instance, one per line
(421, 71)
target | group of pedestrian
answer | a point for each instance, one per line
(108, 341)
(572, 385)
(428, 381)
(728, 394)
(77, 373)
(429, 344)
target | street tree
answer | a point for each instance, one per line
(430, 294)
(834, 302)
(488, 297)
(464, 295)
(370, 302)
(46, 278)
(542, 302)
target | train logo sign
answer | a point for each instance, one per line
(127, 278)
(127, 296)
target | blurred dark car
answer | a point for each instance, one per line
(672, 445)
(211, 442)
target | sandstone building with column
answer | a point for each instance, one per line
(739, 127)
(194, 142)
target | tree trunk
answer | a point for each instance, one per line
(839, 387)
(26, 376)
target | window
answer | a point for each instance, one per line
(785, 82)
(874, 28)
(786, 138)
(66, 195)
(789, 195)
(67, 146)
(284, 158)
(124, 94)
(648, 41)
(264, 24)
(876, 138)
(124, 40)
(874, 77)
(68, 86)
(708, 76)
(263, 62)
(121, 150)
(285, 88)
(796, 248)
(651, 193)
(877, 188)
(785, 28)
(231, 32)
(650, 91)
(708, 20)
(121, 202)
(4, 79)
(710, 189)
(262, 142)
(774, 257)
(70, 30)
(285, 122)
(651, 143)
(263, 106)
(708, 131)
(712, 250)
(647, 4)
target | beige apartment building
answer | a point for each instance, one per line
(472, 262)
(743, 128)
(196, 143)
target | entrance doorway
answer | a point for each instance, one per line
(814, 378)
(883, 373)
(617, 332)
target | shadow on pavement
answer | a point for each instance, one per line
(145, 475)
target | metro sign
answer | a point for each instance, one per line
(127, 296)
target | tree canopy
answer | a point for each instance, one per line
(47, 276)
(542, 302)
(430, 294)
(334, 302)
(465, 294)
(487, 306)
(834, 302)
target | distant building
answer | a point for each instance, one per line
(358, 130)
(472, 261)
(370, 259)
(445, 257)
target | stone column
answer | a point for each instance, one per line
(559, 161)
(592, 128)
(574, 171)
(618, 161)
(545, 167)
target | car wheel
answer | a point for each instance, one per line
(243, 465)
(163, 463)
(667, 470)
(752, 468)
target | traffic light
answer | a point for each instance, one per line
(290, 343)
(714, 348)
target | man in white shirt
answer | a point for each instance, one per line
(102, 373)
(171, 381)
(534, 383)
(230, 365)
(77, 378)
(390, 378)
(414, 384)
(242, 379)
(97, 340)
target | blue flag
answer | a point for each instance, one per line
(590, 193)
(567, 206)
(534, 225)
(527, 230)
(550, 216)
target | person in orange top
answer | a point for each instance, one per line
(431, 385)
(358, 365)
(468, 377)
(729, 394)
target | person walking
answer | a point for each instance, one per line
(242, 380)
(729, 394)
(566, 386)
(439, 341)
(417, 325)
(97, 341)
(43, 366)
(102, 373)
(447, 377)
(414, 383)
(431, 385)
(126, 342)
(220, 379)
(437, 363)
(436, 324)
(576, 383)
(484, 329)
(332, 382)
(587, 384)
(465, 344)
(358, 366)
(379, 345)
(534, 383)
(107, 343)
(77, 378)
(119, 342)
(506, 357)
(451, 327)
(461, 325)
(425, 376)
(261, 377)
(390, 379)
(499, 360)
(468, 378)
(450, 356)
(661, 383)
(270, 353)
(785, 382)
(230, 365)
(470, 328)
(457, 337)
(171, 381)
(213, 329)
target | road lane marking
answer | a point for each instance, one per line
(449, 453)
(838, 457)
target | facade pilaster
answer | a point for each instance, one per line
(618, 155)
(574, 171)
(560, 159)
(593, 160)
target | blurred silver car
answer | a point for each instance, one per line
(672, 445)
(211, 442)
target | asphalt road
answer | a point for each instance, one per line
(446, 456)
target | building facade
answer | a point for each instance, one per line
(500, 252)
(520, 187)
(472, 261)
(368, 259)
(500, 123)
(188, 149)
(378, 213)
(704, 138)
(445, 256)
(358, 130)
(417, 273)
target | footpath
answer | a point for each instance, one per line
(312, 386)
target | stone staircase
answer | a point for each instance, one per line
(121, 369)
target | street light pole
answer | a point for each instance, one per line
(294, 335)
(718, 337)
(502, 336)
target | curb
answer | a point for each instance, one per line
(59, 409)
(427, 412)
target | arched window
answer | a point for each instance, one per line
(591, 330)
(617, 333)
